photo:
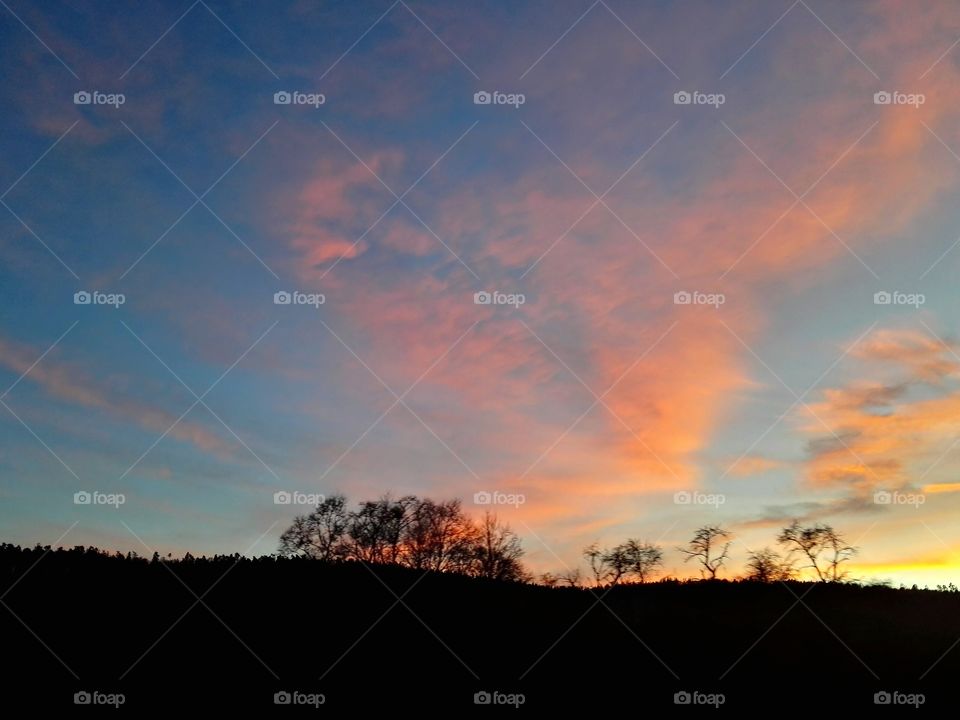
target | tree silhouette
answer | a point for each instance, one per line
(549, 579)
(705, 548)
(441, 537)
(426, 534)
(413, 532)
(633, 557)
(644, 558)
(816, 540)
(767, 565)
(630, 558)
(378, 528)
(618, 562)
(498, 552)
(321, 534)
(838, 552)
(595, 560)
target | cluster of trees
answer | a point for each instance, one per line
(414, 532)
(819, 548)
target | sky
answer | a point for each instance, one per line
(693, 263)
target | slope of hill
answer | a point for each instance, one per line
(235, 632)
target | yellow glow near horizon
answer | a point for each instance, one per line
(929, 572)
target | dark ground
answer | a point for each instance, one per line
(294, 625)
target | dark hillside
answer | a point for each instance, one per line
(267, 625)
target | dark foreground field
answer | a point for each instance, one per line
(389, 637)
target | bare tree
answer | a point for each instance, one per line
(322, 534)
(644, 558)
(571, 578)
(631, 558)
(595, 560)
(706, 548)
(377, 528)
(618, 563)
(767, 565)
(497, 553)
(440, 537)
(815, 540)
(806, 541)
(549, 579)
(838, 552)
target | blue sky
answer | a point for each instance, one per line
(598, 198)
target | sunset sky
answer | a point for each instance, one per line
(783, 198)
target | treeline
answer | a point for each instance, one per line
(818, 548)
(424, 534)
(413, 532)
(11, 552)
(429, 535)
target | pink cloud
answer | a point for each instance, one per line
(600, 298)
(66, 383)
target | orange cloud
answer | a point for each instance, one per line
(602, 295)
(880, 434)
(754, 465)
(942, 488)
